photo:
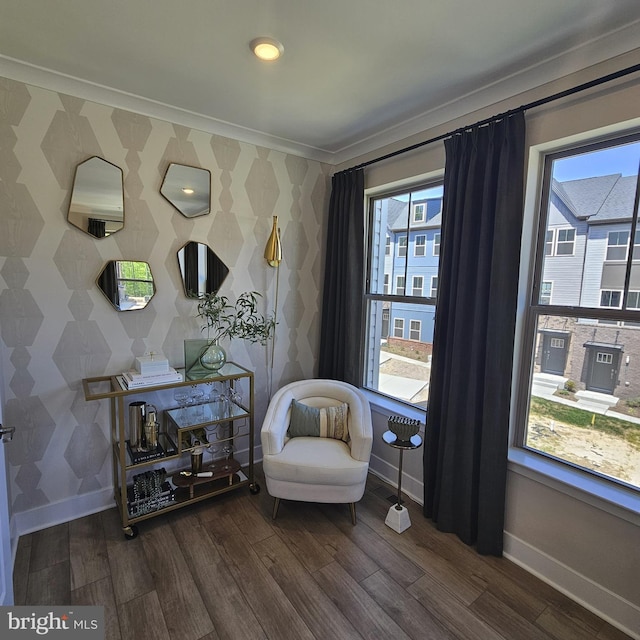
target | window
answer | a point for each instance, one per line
(387, 246)
(549, 242)
(402, 246)
(617, 243)
(434, 287)
(586, 339)
(416, 285)
(611, 299)
(397, 362)
(414, 329)
(565, 242)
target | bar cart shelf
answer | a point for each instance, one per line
(148, 483)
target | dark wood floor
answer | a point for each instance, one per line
(224, 569)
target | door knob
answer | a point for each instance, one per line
(7, 433)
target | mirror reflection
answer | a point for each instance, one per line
(201, 269)
(188, 189)
(97, 198)
(128, 285)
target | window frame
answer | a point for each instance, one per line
(600, 490)
(369, 351)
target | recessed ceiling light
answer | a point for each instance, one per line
(187, 190)
(267, 48)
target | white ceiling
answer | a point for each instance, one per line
(356, 74)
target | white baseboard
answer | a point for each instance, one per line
(411, 486)
(63, 511)
(607, 605)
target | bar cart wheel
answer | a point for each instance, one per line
(254, 488)
(130, 532)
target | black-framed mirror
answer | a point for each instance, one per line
(127, 284)
(188, 189)
(201, 269)
(97, 198)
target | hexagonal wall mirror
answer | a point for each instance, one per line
(201, 269)
(97, 198)
(188, 189)
(127, 284)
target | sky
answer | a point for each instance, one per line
(623, 159)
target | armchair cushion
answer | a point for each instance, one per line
(324, 422)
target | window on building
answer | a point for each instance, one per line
(417, 283)
(386, 284)
(414, 330)
(398, 327)
(565, 242)
(611, 299)
(402, 246)
(387, 246)
(585, 338)
(391, 366)
(418, 213)
(549, 242)
(617, 244)
(436, 244)
(434, 287)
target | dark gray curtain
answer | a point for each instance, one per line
(340, 333)
(465, 455)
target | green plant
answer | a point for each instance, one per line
(570, 386)
(634, 403)
(239, 320)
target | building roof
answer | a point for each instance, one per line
(602, 199)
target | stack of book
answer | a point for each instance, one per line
(150, 371)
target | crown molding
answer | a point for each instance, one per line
(587, 54)
(93, 92)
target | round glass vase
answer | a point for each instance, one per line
(213, 356)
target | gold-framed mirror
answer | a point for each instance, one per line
(188, 189)
(97, 198)
(127, 284)
(201, 269)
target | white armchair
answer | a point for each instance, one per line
(312, 468)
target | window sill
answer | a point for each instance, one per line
(388, 406)
(606, 496)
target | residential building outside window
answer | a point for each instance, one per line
(398, 363)
(583, 367)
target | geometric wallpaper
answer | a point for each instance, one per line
(57, 328)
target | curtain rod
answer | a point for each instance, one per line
(525, 107)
